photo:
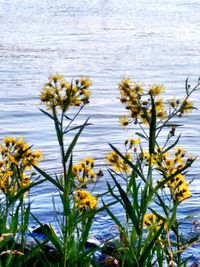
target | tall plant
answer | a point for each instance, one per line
(79, 206)
(155, 177)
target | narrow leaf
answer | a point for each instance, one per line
(187, 86)
(26, 189)
(133, 166)
(141, 135)
(173, 145)
(129, 209)
(75, 128)
(152, 129)
(47, 113)
(74, 141)
(48, 177)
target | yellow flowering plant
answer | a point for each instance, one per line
(155, 177)
(16, 180)
(79, 206)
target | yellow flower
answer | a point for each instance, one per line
(118, 164)
(25, 181)
(152, 221)
(85, 82)
(186, 107)
(82, 180)
(159, 104)
(124, 121)
(92, 174)
(182, 192)
(84, 200)
(8, 140)
(126, 83)
(55, 78)
(180, 151)
(3, 236)
(138, 89)
(176, 181)
(112, 157)
(5, 177)
(76, 169)
(156, 89)
(84, 172)
(89, 161)
(161, 115)
(134, 141)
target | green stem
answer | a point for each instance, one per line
(22, 223)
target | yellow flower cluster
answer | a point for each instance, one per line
(16, 158)
(168, 165)
(152, 221)
(84, 200)
(84, 172)
(60, 93)
(138, 102)
(179, 187)
(117, 163)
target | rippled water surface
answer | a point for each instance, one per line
(150, 41)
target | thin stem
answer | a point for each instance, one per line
(76, 115)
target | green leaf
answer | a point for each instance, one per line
(74, 141)
(75, 128)
(51, 235)
(141, 135)
(58, 126)
(134, 192)
(27, 216)
(128, 207)
(92, 213)
(25, 189)
(152, 129)
(187, 86)
(48, 177)
(173, 145)
(47, 113)
(162, 204)
(171, 125)
(111, 191)
(86, 226)
(173, 216)
(113, 217)
(15, 220)
(148, 247)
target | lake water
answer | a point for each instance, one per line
(150, 41)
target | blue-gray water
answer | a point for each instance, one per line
(150, 41)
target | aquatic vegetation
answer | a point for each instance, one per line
(150, 182)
